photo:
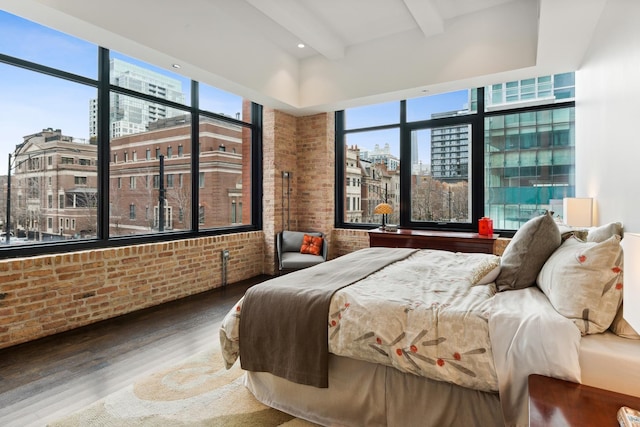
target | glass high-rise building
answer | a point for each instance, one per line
(529, 156)
(131, 115)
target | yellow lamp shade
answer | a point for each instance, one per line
(383, 208)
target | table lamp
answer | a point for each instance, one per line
(577, 211)
(383, 209)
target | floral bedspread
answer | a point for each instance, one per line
(421, 315)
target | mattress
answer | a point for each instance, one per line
(611, 362)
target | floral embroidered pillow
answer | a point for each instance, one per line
(311, 245)
(583, 281)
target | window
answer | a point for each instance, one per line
(148, 110)
(234, 212)
(132, 211)
(505, 151)
(220, 167)
(165, 223)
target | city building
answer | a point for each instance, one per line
(354, 189)
(381, 155)
(53, 187)
(131, 115)
(450, 152)
(529, 156)
(135, 178)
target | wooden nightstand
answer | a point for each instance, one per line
(554, 402)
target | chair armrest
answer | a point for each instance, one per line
(279, 249)
(325, 247)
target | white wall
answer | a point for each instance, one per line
(608, 117)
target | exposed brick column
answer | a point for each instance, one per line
(316, 173)
(279, 155)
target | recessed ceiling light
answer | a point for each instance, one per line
(175, 65)
(301, 45)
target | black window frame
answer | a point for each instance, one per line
(103, 240)
(477, 180)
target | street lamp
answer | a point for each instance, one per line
(161, 195)
(8, 219)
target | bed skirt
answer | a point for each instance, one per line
(366, 394)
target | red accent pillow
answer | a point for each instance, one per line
(311, 245)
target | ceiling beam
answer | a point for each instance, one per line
(426, 16)
(302, 23)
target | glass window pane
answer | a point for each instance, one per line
(372, 115)
(442, 105)
(146, 182)
(36, 43)
(225, 174)
(531, 180)
(372, 175)
(139, 76)
(223, 103)
(441, 192)
(53, 174)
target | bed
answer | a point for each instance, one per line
(411, 337)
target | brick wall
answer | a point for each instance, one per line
(279, 155)
(316, 174)
(347, 240)
(47, 294)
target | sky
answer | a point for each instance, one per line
(30, 101)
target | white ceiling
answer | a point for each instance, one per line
(357, 51)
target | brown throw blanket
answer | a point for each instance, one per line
(283, 323)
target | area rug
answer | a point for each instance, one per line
(196, 392)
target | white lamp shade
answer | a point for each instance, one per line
(631, 273)
(578, 211)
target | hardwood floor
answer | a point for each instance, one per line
(46, 379)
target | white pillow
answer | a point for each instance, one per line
(583, 281)
(603, 232)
